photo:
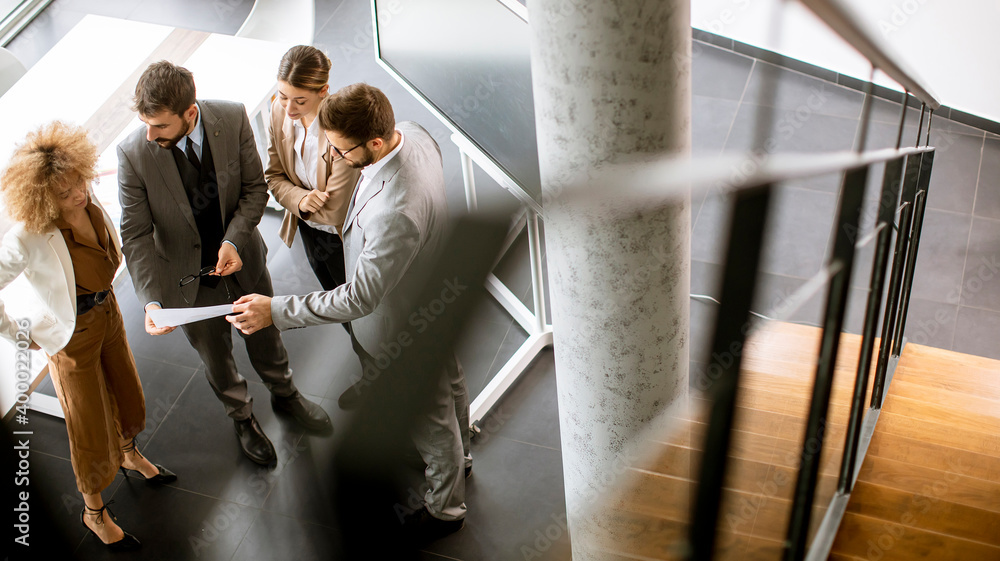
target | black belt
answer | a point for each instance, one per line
(86, 302)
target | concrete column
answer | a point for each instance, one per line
(612, 83)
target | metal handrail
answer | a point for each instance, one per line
(845, 21)
(641, 184)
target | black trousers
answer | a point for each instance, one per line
(213, 339)
(325, 252)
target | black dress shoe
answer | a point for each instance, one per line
(421, 527)
(128, 541)
(306, 413)
(351, 398)
(254, 442)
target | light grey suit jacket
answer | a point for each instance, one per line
(159, 236)
(391, 237)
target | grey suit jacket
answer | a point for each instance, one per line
(160, 239)
(391, 237)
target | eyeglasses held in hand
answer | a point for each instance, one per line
(204, 272)
(191, 278)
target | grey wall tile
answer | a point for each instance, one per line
(955, 172)
(711, 120)
(941, 256)
(988, 189)
(711, 229)
(718, 73)
(706, 278)
(798, 232)
(799, 91)
(976, 332)
(885, 111)
(981, 282)
(931, 323)
(792, 131)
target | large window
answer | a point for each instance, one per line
(15, 14)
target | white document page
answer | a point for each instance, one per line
(172, 317)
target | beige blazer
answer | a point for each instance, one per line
(339, 179)
(50, 307)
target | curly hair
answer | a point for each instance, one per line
(47, 159)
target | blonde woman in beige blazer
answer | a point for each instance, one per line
(65, 246)
(313, 188)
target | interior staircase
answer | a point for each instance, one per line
(928, 488)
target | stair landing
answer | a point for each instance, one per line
(929, 487)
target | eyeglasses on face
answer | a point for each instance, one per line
(341, 155)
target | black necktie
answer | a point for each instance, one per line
(189, 173)
(191, 156)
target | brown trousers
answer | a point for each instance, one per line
(100, 393)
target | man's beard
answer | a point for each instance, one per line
(171, 142)
(367, 160)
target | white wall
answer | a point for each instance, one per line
(953, 45)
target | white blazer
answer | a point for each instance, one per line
(50, 304)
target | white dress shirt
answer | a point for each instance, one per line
(197, 136)
(368, 173)
(306, 152)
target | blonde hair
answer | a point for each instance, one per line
(48, 158)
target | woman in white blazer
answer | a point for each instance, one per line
(65, 246)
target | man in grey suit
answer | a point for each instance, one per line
(395, 226)
(192, 191)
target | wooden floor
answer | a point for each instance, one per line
(928, 489)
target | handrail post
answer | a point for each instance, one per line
(876, 289)
(745, 246)
(923, 183)
(909, 188)
(848, 217)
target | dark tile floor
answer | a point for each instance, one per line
(224, 507)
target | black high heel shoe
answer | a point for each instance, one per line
(164, 475)
(128, 541)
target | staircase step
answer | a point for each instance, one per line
(933, 456)
(880, 540)
(926, 512)
(948, 487)
(941, 434)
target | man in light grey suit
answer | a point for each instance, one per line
(192, 191)
(395, 226)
